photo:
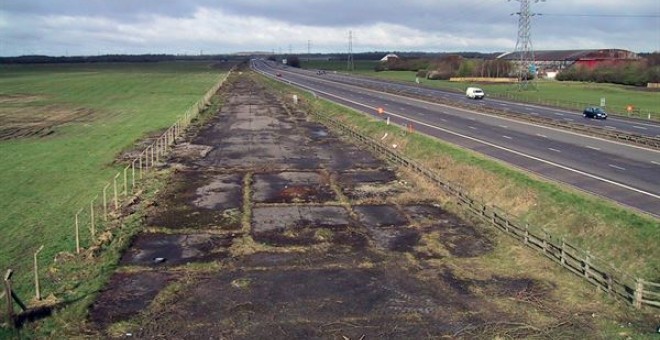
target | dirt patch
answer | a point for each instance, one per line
(299, 225)
(14, 99)
(186, 152)
(291, 187)
(200, 200)
(326, 303)
(369, 184)
(174, 249)
(376, 216)
(26, 120)
(126, 295)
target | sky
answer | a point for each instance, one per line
(96, 27)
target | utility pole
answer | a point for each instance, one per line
(350, 66)
(524, 47)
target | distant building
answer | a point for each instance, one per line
(552, 61)
(388, 57)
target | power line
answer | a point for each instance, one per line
(601, 15)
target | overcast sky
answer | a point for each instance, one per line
(91, 27)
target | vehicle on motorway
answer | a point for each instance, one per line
(594, 112)
(278, 74)
(474, 93)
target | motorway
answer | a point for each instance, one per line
(629, 175)
(620, 124)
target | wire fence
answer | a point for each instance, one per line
(91, 219)
(634, 290)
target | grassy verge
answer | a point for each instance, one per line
(612, 233)
(92, 113)
(570, 95)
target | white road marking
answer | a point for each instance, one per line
(504, 126)
(610, 127)
(507, 137)
(472, 127)
(442, 119)
(592, 148)
(654, 162)
(639, 127)
(617, 167)
(542, 136)
(534, 113)
(558, 114)
(555, 150)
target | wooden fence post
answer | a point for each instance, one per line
(78, 232)
(546, 236)
(105, 202)
(526, 234)
(562, 259)
(8, 298)
(36, 274)
(140, 162)
(159, 148)
(114, 185)
(152, 154)
(133, 175)
(91, 219)
(125, 181)
(587, 264)
(639, 290)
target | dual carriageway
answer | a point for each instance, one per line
(556, 144)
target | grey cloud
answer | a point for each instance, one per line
(479, 25)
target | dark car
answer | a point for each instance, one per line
(594, 112)
(279, 74)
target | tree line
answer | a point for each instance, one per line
(449, 66)
(636, 73)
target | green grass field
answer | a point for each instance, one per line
(571, 95)
(93, 112)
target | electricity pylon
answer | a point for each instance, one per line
(526, 66)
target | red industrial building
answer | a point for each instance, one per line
(557, 60)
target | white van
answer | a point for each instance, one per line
(474, 93)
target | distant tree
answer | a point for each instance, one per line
(293, 61)
(272, 58)
(653, 59)
(467, 68)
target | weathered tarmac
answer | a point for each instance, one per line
(295, 233)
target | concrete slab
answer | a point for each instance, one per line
(155, 250)
(291, 187)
